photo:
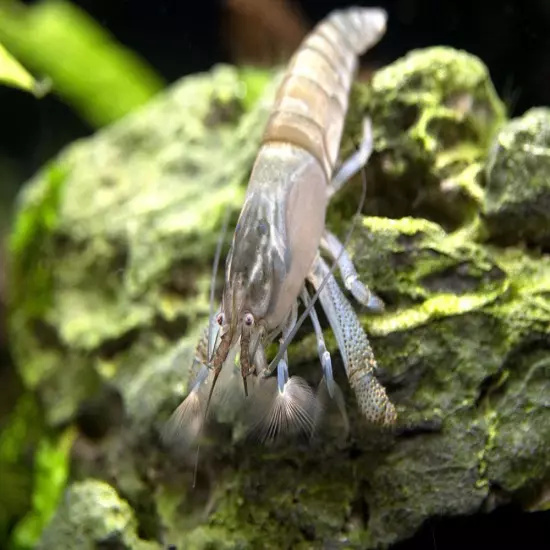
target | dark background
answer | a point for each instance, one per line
(178, 37)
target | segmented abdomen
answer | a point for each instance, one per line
(312, 101)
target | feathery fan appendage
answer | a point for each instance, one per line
(186, 421)
(281, 414)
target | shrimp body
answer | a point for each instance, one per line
(283, 216)
(277, 235)
(275, 247)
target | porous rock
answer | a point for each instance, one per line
(112, 254)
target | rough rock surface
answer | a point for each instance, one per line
(112, 256)
(93, 516)
(517, 206)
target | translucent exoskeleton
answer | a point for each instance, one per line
(276, 249)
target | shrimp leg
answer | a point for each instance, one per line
(355, 163)
(354, 345)
(324, 354)
(332, 245)
(327, 384)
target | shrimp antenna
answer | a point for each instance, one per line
(309, 307)
(216, 363)
(215, 266)
(217, 369)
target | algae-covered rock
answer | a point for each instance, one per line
(93, 516)
(112, 256)
(435, 113)
(517, 204)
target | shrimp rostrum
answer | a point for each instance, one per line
(276, 249)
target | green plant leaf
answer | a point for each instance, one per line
(12, 73)
(88, 68)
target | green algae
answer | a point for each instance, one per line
(28, 502)
(415, 261)
(30, 277)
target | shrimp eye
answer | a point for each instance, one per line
(248, 319)
(219, 319)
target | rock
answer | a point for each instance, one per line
(435, 113)
(517, 204)
(112, 256)
(93, 516)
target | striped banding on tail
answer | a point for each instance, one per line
(312, 100)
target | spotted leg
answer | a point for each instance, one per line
(354, 346)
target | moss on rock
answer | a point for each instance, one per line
(132, 235)
(412, 261)
(435, 113)
(92, 516)
(517, 204)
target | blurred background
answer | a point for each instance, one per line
(176, 38)
(106, 58)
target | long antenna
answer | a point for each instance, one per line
(215, 266)
(196, 468)
(292, 333)
(217, 369)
